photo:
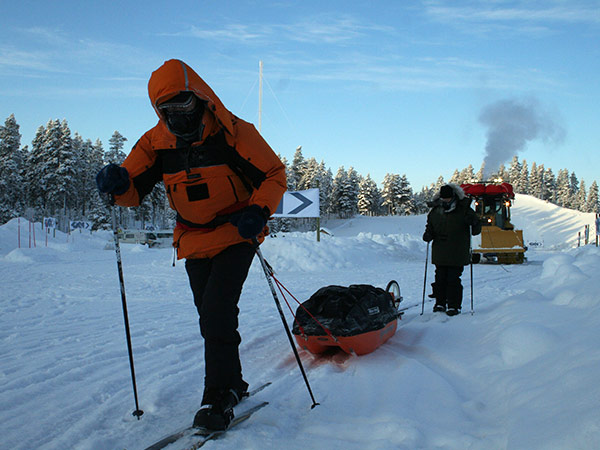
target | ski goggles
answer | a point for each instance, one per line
(182, 103)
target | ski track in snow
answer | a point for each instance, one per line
(520, 373)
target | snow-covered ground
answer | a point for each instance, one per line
(520, 373)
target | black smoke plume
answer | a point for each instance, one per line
(511, 124)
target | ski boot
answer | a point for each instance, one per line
(216, 412)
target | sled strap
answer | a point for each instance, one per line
(280, 286)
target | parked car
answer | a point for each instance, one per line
(155, 238)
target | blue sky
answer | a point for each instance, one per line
(407, 87)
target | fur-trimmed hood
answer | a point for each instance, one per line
(458, 193)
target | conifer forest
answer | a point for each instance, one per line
(55, 177)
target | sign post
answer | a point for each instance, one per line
(586, 234)
(300, 204)
(49, 222)
(80, 225)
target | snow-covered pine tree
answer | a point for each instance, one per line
(438, 184)
(283, 223)
(99, 213)
(143, 213)
(480, 175)
(342, 194)
(455, 178)
(581, 198)
(34, 179)
(593, 201)
(563, 189)
(406, 203)
(51, 172)
(549, 187)
(158, 206)
(391, 194)
(514, 172)
(574, 185)
(523, 183)
(297, 169)
(79, 182)
(536, 180)
(11, 171)
(352, 191)
(467, 175)
(309, 175)
(502, 173)
(325, 189)
(115, 153)
(65, 191)
(288, 172)
(89, 161)
(368, 197)
(421, 198)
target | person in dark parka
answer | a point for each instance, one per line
(450, 224)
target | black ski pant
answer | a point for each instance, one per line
(217, 285)
(447, 289)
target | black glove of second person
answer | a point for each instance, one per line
(113, 179)
(250, 221)
(428, 236)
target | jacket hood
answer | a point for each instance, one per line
(458, 192)
(175, 76)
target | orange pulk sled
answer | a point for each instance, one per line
(358, 318)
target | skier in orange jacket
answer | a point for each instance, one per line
(224, 181)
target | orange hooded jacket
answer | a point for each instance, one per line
(200, 182)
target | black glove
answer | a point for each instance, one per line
(428, 236)
(113, 179)
(472, 220)
(250, 221)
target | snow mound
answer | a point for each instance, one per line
(18, 256)
(524, 342)
(301, 251)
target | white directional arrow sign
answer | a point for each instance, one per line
(299, 204)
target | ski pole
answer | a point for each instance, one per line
(471, 261)
(425, 280)
(265, 268)
(138, 412)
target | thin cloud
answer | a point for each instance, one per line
(230, 32)
(395, 73)
(106, 91)
(318, 30)
(16, 60)
(336, 30)
(51, 51)
(571, 12)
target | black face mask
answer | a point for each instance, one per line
(183, 115)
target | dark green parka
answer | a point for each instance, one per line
(451, 229)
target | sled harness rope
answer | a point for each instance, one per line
(282, 288)
(268, 275)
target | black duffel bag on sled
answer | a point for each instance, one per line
(358, 318)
